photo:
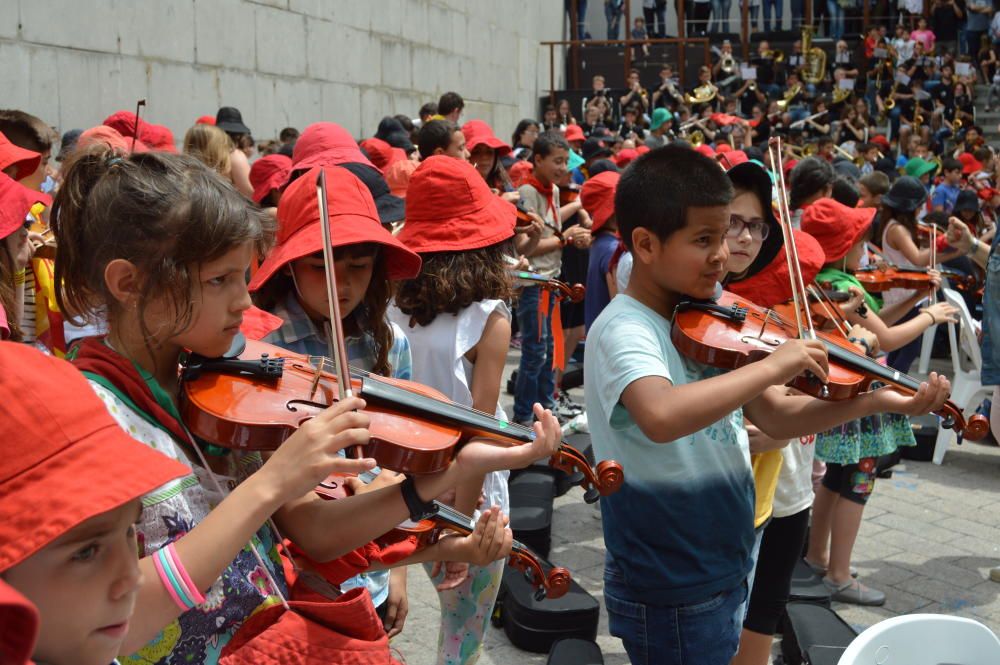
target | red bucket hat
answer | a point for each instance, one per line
(771, 285)
(574, 133)
(267, 173)
(520, 172)
(18, 626)
(478, 132)
(970, 164)
(881, 141)
(836, 226)
(65, 458)
(158, 137)
(326, 144)
(205, 120)
(15, 204)
(382, 154)
(450, 208)
(27, 161)
(598, 197)
(706, 150)
(625, 157)
(123, 122)
(732, 158)
(353, 220)
(110, 136)
(398, 177)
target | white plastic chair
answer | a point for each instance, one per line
(967, 390)
(924, 639)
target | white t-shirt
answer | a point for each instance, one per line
(794, 492)
(623, 271)
(438, 352)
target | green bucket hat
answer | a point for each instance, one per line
(660, 116)
(918, 166)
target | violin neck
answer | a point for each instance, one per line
(869, 366)
(374, 391)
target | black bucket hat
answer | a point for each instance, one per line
(967, 200)
(390, 208)
(230, 120)
(906, 194)
(754, 178)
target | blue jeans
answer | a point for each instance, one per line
(991, 320)
(536, 380)
(706, 632)
(720, 15)
(798, 8)
(773, 8)
(971, 41)
(836, 14)
(614, 18)
(581, 17)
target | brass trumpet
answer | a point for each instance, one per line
(703, 94)
(774, 54)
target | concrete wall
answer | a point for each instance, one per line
(281, 62)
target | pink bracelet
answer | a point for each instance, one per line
(165, 580)
(190, 588)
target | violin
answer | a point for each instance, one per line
(732, 332)
(823, 308)
(47, 248)
(523, 217)
(880, 278)
(569, 193)
(574, 293)
(552, 583)
(259, 396)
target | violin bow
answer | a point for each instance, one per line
(135, 127)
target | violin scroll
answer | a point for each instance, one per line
(552, 585)
(606, 480)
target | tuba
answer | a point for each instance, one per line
(813, 58)
(703, 94)
(840, 95)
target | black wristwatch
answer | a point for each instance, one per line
(419, 509)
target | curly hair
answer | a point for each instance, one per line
(451, 281)
(369, 316)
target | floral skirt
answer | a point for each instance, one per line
(872, 436)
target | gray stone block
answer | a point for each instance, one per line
(162, 29)
(341, 104)
(281, 43)
(225, 34)
(396, 68)
(93, 26)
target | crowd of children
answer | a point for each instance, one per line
(125, 260)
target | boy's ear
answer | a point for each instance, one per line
(645, 245)
(122, 279)
(437, 151)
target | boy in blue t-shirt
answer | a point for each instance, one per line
(598, 199)
(946, 193)
(679, 531)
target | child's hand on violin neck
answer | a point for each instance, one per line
(489, 541)
(798, 356)
(311, 454)
(930, 397)
(482, 455)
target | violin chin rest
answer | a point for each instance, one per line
(238, 346)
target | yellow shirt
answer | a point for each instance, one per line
(766, 467)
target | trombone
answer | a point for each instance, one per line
(858, 160)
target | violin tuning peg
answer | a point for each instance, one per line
(591, 495)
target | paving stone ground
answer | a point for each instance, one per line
(930, 535)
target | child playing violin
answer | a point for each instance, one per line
(72, 481)
(851, 450)
(456, 317)
(680, 530)
(174, 280)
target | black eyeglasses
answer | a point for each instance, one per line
(758, 228)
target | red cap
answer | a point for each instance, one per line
(598, 197)
(723, 148)
(771, 285)
(65, 459)
(836, 226)
(881, 141)
(625, 157)
(27, 161)
(970, 164)
(478, 132)
(18, 627)
(158, 137)
(987, 194)
(450, 208)
(398, 177)
(642, 149)
(706, 150)
(520, 171)
(267, 173)
(205, 120)
(379, 152)
(123, 122)
(111, 137)
(326, 144)
(574, 133)
(732, 158)
(15, 204)
(353, 220)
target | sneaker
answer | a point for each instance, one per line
(821, 571)
(566, 407)
(854, 592)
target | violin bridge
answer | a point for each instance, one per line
(317, 374)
